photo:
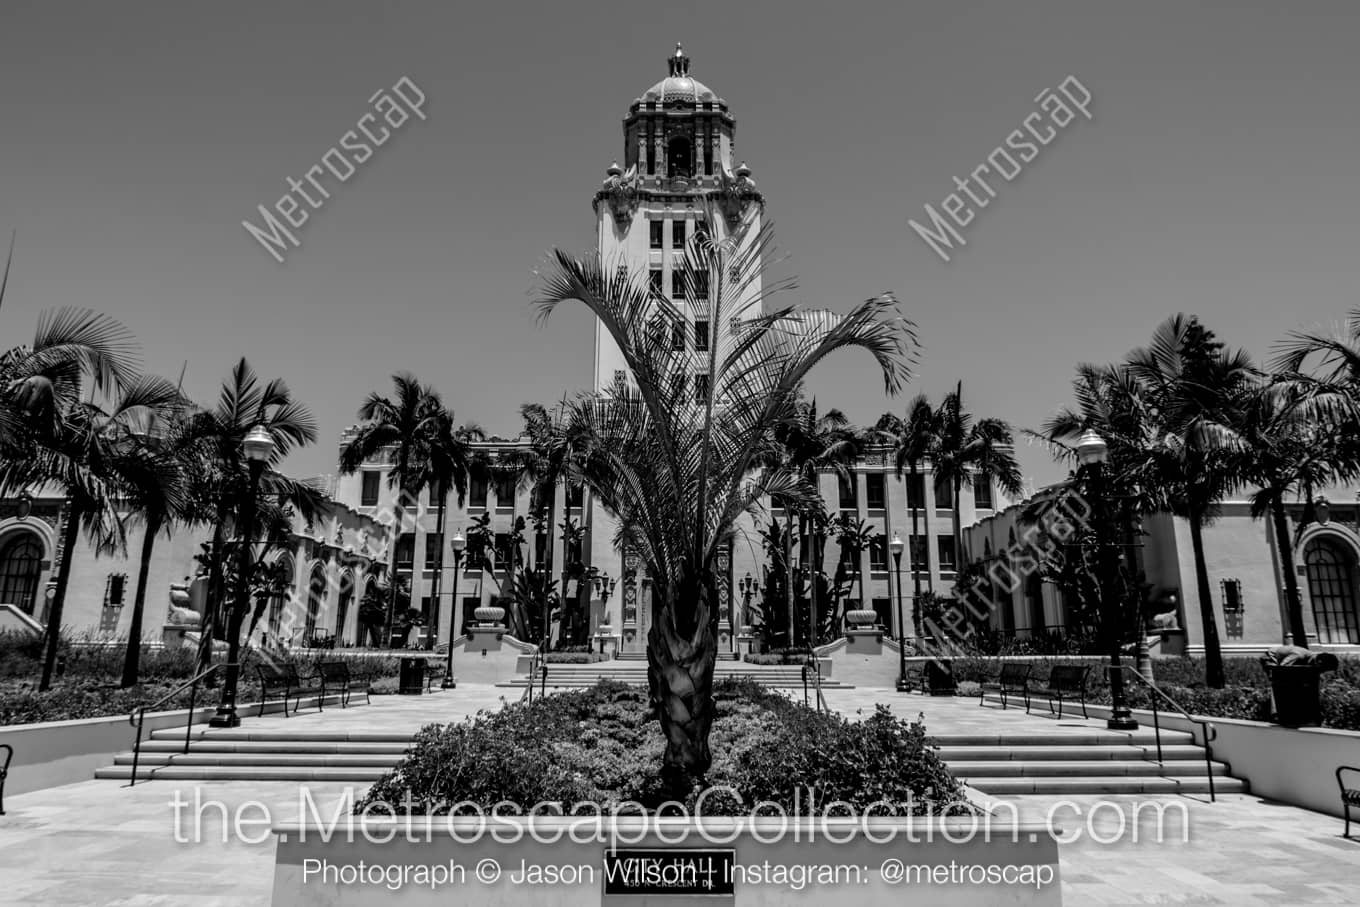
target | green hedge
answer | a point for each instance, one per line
(603, 746)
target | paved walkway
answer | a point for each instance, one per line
(99, 842)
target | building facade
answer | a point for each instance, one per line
(321, 573)
(1245, 576)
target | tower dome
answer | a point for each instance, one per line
(679, 86)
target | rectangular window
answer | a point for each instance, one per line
(505, 492)
(982, 494)
(916, 492)
(677, 284)
(700, 281)
(946, 549)
(883, 608)
(708, 158)
(920, 563)
(878, 553)
(944, 495)
(701, 336)
(368, 496)
(540, 549)
(116, 585)
(406, 550)
(477, 491)
(701, 388)
(677, 234)
(504, 550)
(434, 541)
(849, 499)
(678, 336)
(1232, 595)
(655, 276)
(875, 490)
(656, 227)
(577, 495)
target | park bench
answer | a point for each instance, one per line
(294, 686)
(434, 670)
(336, 681)
(1066, 682)
(1350, 796)
(1014, 681)
(914, 679)
(4, 771)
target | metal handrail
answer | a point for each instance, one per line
(138, 716)
(537, 661)
(1209, 731)
(813, 665)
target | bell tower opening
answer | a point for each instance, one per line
(679, 159)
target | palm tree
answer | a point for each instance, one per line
(678, 464)
(407, 428)
(981, 451)
(1197, 390)
(913, 439)
(158, 496)
(452, 460)
(212, 441)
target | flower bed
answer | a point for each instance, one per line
(1246, 694)
(602, 746)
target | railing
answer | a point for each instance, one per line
(4, 772)
(138, 716)
(1210, 733)
(537, 662)
(813, 667)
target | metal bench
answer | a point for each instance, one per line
(287, 679)
(1014, 681)
(1066, 682)
(1350, 796)
(4, 772)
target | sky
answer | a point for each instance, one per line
(1215, 177)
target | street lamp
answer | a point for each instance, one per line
(457, 543)
(259, 446)
(896, 546)
(1093, 452)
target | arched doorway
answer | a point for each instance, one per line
(278, 597)
(20, 570)
(1331, 570)
(316, 597)
(343, 605)
(679, 159)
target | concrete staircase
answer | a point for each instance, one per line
(634, 671)
(1088, 762)
(1073, 763)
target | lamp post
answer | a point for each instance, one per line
(457, 543)
(259, 446)
(1092, 452)
(896, 546)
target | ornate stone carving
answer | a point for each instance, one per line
(735, 191)
(620, 192)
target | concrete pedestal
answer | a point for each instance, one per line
(864, 641)
(485, 639)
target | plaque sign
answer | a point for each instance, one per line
(670, 872)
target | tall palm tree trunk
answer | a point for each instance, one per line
(680, 663)
(1213, 653)
(398, 519)
(915, 567)
(435, 581)
(69, 538)
(545, 570)
(132, 657)
(1293, 601)
(212, 607)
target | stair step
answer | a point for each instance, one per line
(302, 747)
(280, 731)
(1097, 768)
(282, 760)
(1065, 752)
(1106, 785)
(1081, 738)
(241, 773)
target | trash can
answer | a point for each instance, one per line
(939, 677)
(411, 681)
(1295, 690)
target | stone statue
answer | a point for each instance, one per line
(182, 613)
(620, 190)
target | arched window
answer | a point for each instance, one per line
(679, 159)
(343, 606)
(1331, 586)
(283, 579)
(20, 568)
(316, 596)
(1034, 596)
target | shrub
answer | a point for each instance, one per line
(599, 746)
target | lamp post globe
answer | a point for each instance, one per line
(1091, 448)
(258, 447)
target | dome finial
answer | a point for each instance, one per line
(679, 63)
